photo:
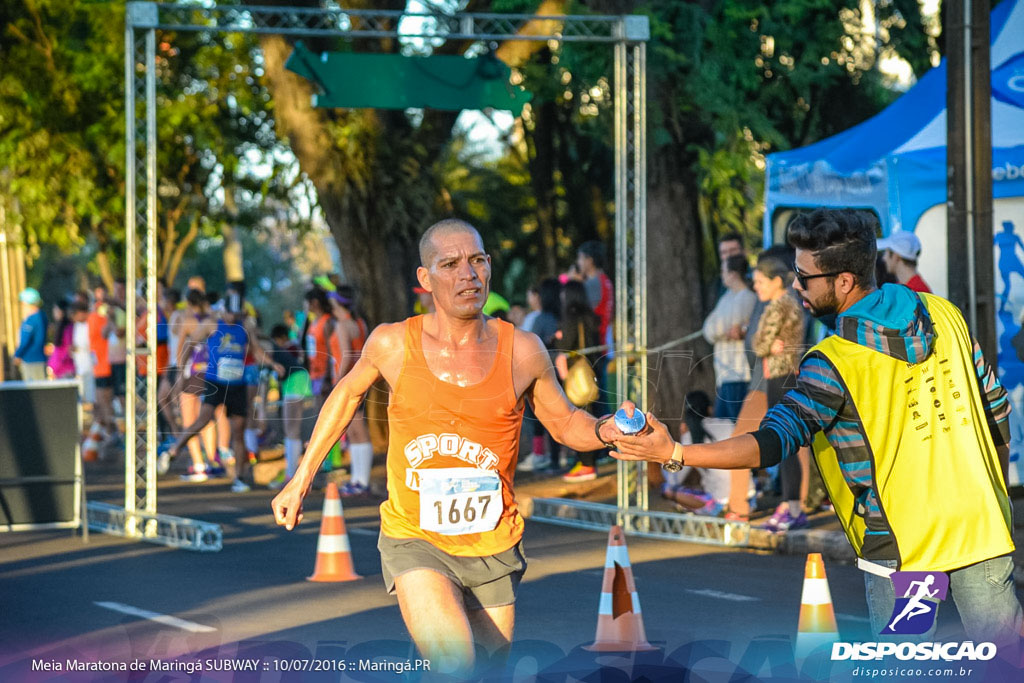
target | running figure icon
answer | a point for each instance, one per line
(918, 595)
(916, 605)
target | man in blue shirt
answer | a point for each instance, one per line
(30, 358)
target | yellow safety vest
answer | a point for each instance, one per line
(936, 472)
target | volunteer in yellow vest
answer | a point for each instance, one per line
(450, 530)
(908, 423)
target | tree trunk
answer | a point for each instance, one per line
(542, 168)
(675, 298)
(234, 270)
(379, 257)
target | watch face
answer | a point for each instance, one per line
(673, 466)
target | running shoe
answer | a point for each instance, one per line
(352, 489)
(580, 472)
(277, 483)
(196, 474)
(782, 520)
(773, 522)
(163, 462)
(534, 462)
(239, 486)
(789, 523)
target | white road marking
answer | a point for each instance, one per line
(225, 508)
(735, 597)
(156, 616)
(359, 531)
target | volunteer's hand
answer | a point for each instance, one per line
(654, 443)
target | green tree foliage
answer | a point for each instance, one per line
(62, 130)
(729, 81)
(61, 127)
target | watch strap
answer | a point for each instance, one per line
(597, 431)
(675, 461)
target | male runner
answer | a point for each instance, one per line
(450, 529)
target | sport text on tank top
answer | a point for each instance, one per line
(452, 454)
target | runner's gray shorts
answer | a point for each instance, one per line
(490, 581)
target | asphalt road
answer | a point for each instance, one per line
(709, 609)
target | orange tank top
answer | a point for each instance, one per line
(316, 348)
(99, 344)
(336, 354)
(434, 424)
(359, 342)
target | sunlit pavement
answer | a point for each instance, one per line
(253, 597)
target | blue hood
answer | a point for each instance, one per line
(891, 320)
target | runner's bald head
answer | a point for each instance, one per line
(448, 226)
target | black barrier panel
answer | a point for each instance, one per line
(38, 440)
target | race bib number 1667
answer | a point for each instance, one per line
(459, 500)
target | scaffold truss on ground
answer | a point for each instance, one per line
(177, 532)
(627, 34)
(665, 525)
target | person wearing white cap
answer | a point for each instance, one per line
(901, 251)
(30, 357)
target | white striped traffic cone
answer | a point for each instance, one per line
(620, 626)
(91, 445)
(333, 552)
(817, 618)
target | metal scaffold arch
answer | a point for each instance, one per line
(627, 34)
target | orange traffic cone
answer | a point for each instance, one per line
(333, 552)
(817, 618)
(620, 628)
(91, 445)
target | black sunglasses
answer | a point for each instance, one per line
(804, 279)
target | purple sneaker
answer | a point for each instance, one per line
(790, 522)
(351, 490)
(781, 514)
(782, 520)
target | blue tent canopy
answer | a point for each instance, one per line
(895, 162)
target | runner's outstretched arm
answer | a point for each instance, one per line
(569, 425)
(334, 419)
(657, 445)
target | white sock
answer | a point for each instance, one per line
(362, 462)
(292, 453)
(252, 440)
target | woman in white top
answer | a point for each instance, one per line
(81, 352)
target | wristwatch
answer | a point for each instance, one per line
(675, 463)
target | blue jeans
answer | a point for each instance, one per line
(984, 593)
(730, 399)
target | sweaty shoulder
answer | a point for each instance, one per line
(386, 344)
(529, 353)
